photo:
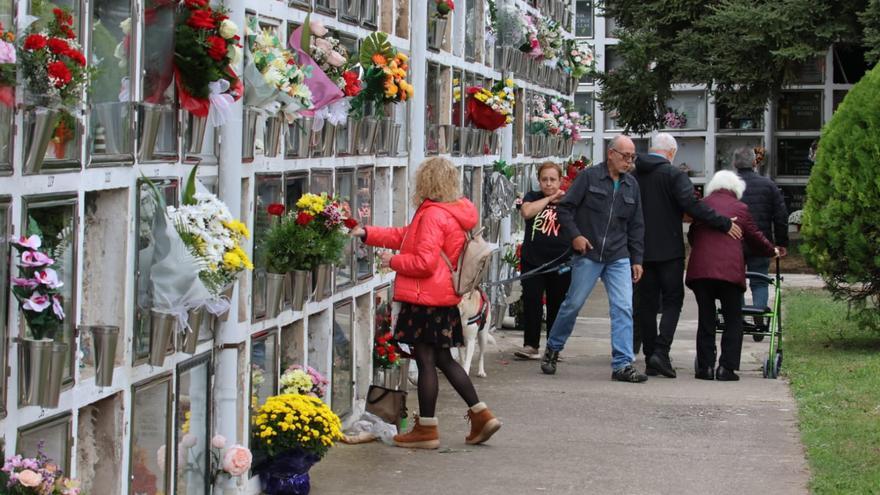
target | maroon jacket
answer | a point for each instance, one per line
(717, 256)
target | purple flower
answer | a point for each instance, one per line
(36, 303)
(57, 307)
(35, 258)
(28, 283)
(49, 278)
(32, 242)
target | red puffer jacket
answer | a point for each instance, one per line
(423, 277)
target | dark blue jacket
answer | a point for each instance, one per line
(766, 205)
(611, 220)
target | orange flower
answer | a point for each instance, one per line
(379, 59)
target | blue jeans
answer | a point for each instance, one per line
(760, 292)
(617, 277)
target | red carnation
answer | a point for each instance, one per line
(276, 209)
(350, 223)
(392, 358)
(352, 83)
(196, 4)
(201, 19)
(68, 32)
(62, 17)
(303, 218)
(216, 48)
(77, 57)
(58, 46)
(34, 42)
(380, 351)
(59, 73)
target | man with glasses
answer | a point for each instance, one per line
(602, 213)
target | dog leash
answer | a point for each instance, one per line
(547, 267)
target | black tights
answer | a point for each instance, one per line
(429, 358)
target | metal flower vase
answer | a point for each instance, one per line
(104, 340)
(444, 141)
(56, 375)
(321, 281)
(114, 118)
(385, 136)
(368, 131)
(299, 135)
(162, 327)
(274, 293)
(249, 133)
(272, 139)
(195, 318)
(196, 128)
(324, 143)
(41, 130)
(347, 137)
(436, 32)
(151, 120)
(35, 358)
(300, 289)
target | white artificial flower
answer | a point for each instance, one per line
(228, 29)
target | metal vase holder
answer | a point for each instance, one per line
(436, 32)
(56, 375)
(347, 137)
(249, 137)
(35, 357)
(444, 141)
(152, 119)
(196, 127)
(114, 117)
(386, 136)
(195, 317)
(299, 135)
(272, 139)
(162, 327)
(274, 293)
(104, 340)
(41, 130)
(324, 143)
(300, 293)
(321, 280)
(368, 131)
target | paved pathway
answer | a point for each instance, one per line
(580, 433)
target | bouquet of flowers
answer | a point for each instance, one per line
(208, 229)
(205, 47)
(674, 119)
(52, 62)
(7, 67)
(491, 108)
(35, 476)
(303, 380)
(568, 121)
(550, 38)
(296, 422)
(309, 235)
(231, 462)
(385, 351)
(278, 70)
(384, 77)
(443, 8)
(578, 59)
(329, 53)
(37, 287)
(572, 169)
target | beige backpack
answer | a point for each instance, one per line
(473, 263)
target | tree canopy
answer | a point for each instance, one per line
(743, 50)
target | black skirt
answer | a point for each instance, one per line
(436, 325)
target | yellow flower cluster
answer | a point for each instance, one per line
(500, 98)
(236, 259)
(396, 87)
(312, 203)
(290, 421)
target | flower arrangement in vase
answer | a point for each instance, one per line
(35, 476)
(384, 75)
(568, 120)
(550, 39)
(491, 108)
(674, 119)
(297, 379)
(578, 59)
(284, 79)
(385, 354)
(7, 67)
(306, 236)
(37, 287)
(206, 45)
(572, 169)
(442, 8)
(328, 52)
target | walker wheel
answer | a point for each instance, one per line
(757, 338)
(777, 365)
(765, 368)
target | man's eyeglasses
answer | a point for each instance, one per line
(629, 157)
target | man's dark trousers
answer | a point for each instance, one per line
(661, 279)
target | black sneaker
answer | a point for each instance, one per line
(725, 375)
(651, 371)
(628, 374)
(548, 362)
(660, 362)
(705, 374)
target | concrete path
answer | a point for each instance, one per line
(580, 433)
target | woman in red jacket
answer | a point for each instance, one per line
(717, 271)
(428, 319)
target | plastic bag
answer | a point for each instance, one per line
(372, 424)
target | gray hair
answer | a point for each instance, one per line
(663, 141)
(726, 180)
(617, 139)
(744, 157)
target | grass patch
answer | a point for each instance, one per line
(834, 368)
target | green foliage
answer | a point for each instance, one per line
(290, 246)
(870, 18)
(841, 239)
(375, 43)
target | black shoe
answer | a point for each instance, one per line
(651, 371)
(628, 374)
(725, 375)
(705, 374)
(548, 362)
(660, 362)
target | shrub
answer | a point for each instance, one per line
(841, 220)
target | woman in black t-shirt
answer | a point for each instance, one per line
(543, 242)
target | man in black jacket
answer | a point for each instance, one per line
(666, 194)
(767, 207)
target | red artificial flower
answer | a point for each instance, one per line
(392, 358)
(196, 4)
(77, 57)
(352, 83)
(58, 46)
(350, 223)
(303, 218)
(201, 19)
(35, 42)
(59, 73)
(62, 17)
(68, 32)
(380, 351)
(216, 48)
(276, 209)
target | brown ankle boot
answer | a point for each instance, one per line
(424, 435)
(483, 424)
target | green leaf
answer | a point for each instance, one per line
(375, 43)
(189, 191)
(305, 42)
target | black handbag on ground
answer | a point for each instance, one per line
(388, 404)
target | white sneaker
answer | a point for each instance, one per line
(528, 352)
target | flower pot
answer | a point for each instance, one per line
(391, 377)
(321, 281)
(104, 340)
(274, 293)
(298, 137)
(249, 133)
(150, 122)
(386, 136)
(347, 137)
(35, 357)
(42, 129)
(194, 318)
(196, 127)
(287, 473)
(300, 288)
(162, 326)
(367, 141)
(56, 376)
(272, 140)
(436, 32)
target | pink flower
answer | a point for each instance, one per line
(32, 242)
(335, 59)
(189, 440)
(57, 307)
(49, 278)
(218, 442)
(317, 27)
(323, 45)
(237, 460)
(35, 258)
(7, 53)
(25, 282)
(29, 478)
(36, 303)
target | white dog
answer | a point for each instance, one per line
(476, 314)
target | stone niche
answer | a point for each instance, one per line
(99, 445)
(318, 342)
(104, 260)
(363, 337)
(293, 344)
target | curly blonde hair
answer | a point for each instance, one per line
(437, 179)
